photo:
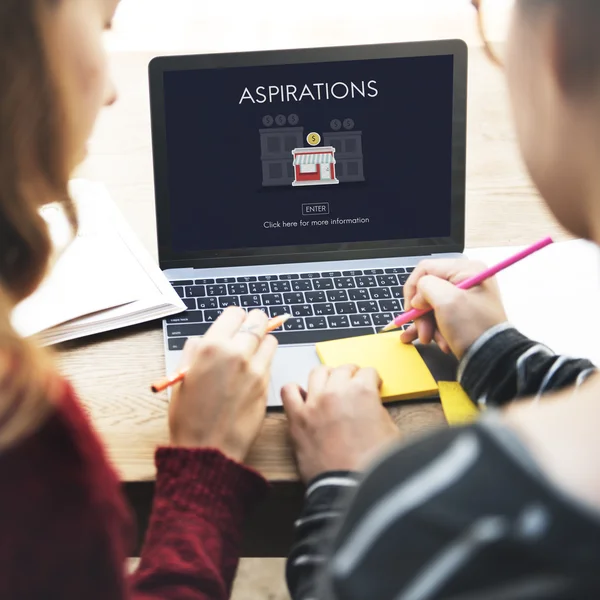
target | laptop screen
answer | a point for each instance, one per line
(309, 154)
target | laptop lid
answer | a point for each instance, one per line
(313, 154)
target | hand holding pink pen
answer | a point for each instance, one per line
(413, 314)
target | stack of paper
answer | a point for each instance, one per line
(105, 279)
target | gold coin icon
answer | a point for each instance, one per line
(313, 138)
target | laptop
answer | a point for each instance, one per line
(307, 181)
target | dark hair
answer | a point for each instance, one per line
(578, 23)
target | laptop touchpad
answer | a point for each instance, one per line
(292, 364)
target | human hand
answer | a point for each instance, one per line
(340, 423)
(221, 403)
(460, 317)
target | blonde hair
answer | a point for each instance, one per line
(33, 172)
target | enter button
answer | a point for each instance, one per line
(321, 208)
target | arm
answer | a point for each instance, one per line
(323, 508)
(430, 521)
(193, 542)
(504, 365)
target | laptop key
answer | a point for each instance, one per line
(302, 310)
(225, 301)
(392, 305)
(337, 296)
(215, 290)
(179, 291)
(309, 275)
(226, 280)
(246, 279)
(259, 288)
(323, 284)
(204, 281)
(187, 330)
(272, 299)
(338, 321)
(280, 286)
(366, 281)
(316, 323)
(380, 293)
(277, 311)
(183, 283)
(313, 297)
(373, 271)
(382, 319)
(177, 343)
(396, 270)
(268, 278)
(294, 325)
(410, 269)
(353, 273)
(235, 289)
(289, 276)
(346, 308)
(402, 279)
(212, 315)
(360, 321)
(397, 292)
(324, 309)
(208, 302)
(189, 316)
(195, 290)
(250, 301)
(387, 280)
(344, 283)
(294, 298)
(302, 285)
(367, 307)
(190, 303)
(360, 294)
(331, 274)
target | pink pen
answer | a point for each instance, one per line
(413, 314)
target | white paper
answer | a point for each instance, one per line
(553, 296)
(104, 279)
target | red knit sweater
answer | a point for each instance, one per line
(65, 530)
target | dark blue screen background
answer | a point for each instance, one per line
(217, 199)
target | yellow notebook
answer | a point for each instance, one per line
(458, 408)
(404, 373)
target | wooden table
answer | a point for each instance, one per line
(111, 372)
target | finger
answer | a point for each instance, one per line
(370, 377)
(341, 375)
(408, 336)
(190, 350)
(452, 270)
(251, 333)
(437, 292)
(293, 403)
(227, 324)
(426, 329)
(263, 357)
(441, 342)
(317, 380)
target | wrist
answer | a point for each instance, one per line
(191, 442)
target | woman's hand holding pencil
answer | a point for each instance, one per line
(222, 396)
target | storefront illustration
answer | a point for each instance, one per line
(314, 166)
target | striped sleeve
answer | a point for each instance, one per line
(325, 499)
(453, 516)
(504, 365)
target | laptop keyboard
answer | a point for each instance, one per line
(324, 305)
